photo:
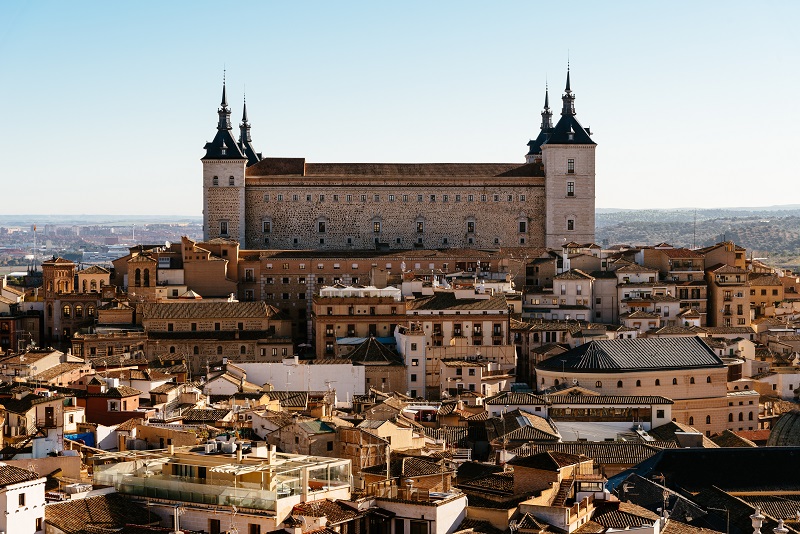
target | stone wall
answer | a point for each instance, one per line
(308, 215)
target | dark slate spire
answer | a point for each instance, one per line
(245, 142)
(224, 146)
(547, 115)
(244, 127)
(568, 98)
(224, 111)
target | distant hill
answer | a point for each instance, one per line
(772, 232)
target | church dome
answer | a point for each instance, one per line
(786, 432)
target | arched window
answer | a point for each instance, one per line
(746, 386)
(90, 311)
(736, 388)
(708, 419)
(219, 349)
(741, 416)
(84, 286)
(555, 382)
(147, 277)
(691, 420)
(658, 382)
(598, 384)
(619, 383)
(242, 350)
(49, 310)
(730, 418)
(137, 277)
(66, 287)
(691, 380)
(708, 380)
(196, 350)
(674, 381)
(638, 383)
(93, 285)
(172, 350)
(66, 312)
(49, 286)
(78, 311)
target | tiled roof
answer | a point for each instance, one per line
(200, 415)
(573, 274)
(451, 435)
(729, 438)
(57, 370)
(603, 453)
(681, 253)
(635, 268)
(622, 355)
(289, 399)
(676, 527)
(445, 300)
(515, 398)
(165, 388)
(205, 310)
(409, 467)
(498, 483)
(625, 516)
(607, 399)
(372, 352)
(723, 268)
(292, 166)
(478, 526)
(130, 424)
(315, 426)
(10, 474)
(547, 460)
(666, 432)
(110, 511)
(336, 512)
(94, 269)
(20, 406)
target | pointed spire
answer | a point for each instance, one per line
(568, 98)
(547, 115)
(244, 127)
(224, 111)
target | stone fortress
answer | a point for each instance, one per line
(287, 203)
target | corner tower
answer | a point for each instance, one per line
(568, 155)
(223, 181)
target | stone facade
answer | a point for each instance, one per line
(287, 203)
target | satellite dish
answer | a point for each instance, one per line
(167, 244)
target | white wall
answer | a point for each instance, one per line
(15, 519)
(346, 379)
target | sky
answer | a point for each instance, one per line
(107, 105)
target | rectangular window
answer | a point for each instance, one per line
(322, 198)
(223, 227)
(444, 198)
(349, 198)
(267, 226)
(336, 198)
(280, 198)
(22, 499)
(570, 224)
(470, 227)
(419, 198)
(510, 198)
(376, 227)
(496, 198)
(483, 198)
(522, 198)
(405, 198)
(295, 198)
(470, 198)
(363, 198)
(376, 198)
(570, 189)
(433, 198)
(523, 227)
(458, 198)
(321, 227)
(266, 198)
(420, 227)
(391, 198)
(570, 166)
(308, 198)
(413, 346)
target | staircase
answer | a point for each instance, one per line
(563, 493)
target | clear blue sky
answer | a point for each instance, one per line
(107, 105)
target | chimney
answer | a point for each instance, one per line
(239, 453)
(170, 447)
